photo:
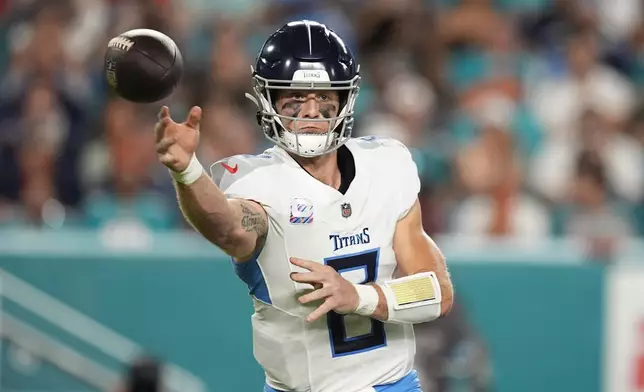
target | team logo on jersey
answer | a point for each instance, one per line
(342, 241)
(301, 211)
(346, 210)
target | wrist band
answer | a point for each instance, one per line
(191, 174)
(368, 299)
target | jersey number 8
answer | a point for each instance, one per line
(340, 344)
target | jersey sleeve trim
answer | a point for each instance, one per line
(409, 182)
(251, 274)
(406, 212)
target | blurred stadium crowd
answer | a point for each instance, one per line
(524, 116)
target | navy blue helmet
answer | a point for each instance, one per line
(305, 55)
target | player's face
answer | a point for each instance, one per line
(306, 106)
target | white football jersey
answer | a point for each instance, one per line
(353, 233)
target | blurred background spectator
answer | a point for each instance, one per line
(517, 112)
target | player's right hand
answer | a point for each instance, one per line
(176, 143)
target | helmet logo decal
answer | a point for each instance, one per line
(305, 75)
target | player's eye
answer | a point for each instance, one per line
(323, 97)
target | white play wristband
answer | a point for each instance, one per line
(191, 174)
(368, 299)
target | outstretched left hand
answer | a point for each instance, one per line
(338, 293)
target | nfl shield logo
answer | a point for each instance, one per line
(346, 210)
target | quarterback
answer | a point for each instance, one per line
(324, 229)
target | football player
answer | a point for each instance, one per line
(324, 229)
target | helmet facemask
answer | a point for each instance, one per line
(302, 143)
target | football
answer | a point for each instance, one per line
(143, 65)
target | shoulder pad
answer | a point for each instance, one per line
(370, 142)
(396, 169)
(227, 171)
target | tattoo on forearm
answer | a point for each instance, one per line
(252, 220)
